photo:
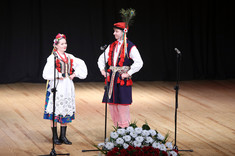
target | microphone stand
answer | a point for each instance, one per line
(53, 90)
(106, 88)
(176, 88)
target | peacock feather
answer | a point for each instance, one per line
(127, 16)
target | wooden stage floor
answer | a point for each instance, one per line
(206, 117)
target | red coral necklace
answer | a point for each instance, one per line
(65, 59)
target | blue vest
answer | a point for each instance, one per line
(121, 94)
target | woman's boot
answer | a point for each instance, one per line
(54, 132)
(63, 138)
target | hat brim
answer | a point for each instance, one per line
(118, 27)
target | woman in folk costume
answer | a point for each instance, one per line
(124, 60)
(67, 67)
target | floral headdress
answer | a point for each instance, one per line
(58, 37)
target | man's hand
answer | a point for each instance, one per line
(125, 75)
(104, 73)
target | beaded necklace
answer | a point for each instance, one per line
(65, 59)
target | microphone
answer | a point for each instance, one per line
(103, 47)
(177, 51)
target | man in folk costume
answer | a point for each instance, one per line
(124, 60)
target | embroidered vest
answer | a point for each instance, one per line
(64, 68)
(121, 61)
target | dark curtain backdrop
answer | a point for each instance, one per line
(203, 30)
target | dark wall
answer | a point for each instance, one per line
(203, 30)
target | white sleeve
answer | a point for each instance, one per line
(100, 62)
(138, 62)
(48, 71)
(79, 67)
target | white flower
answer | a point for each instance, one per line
(107, 139)
(139, 139)
(149, 140)
(152, 132)
(133, 134)
(156, 145)
(129, 129)
(172, 153)
(162, 147)
(138, 130)
(169, 145)
(109, 145)
(101, 144)
(121, 131)
(119, 141)
(114, 135)
(145, 133)
(137, 144)
(160, 137)
(125, 145)
(127, 138)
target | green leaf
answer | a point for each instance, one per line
(133, 124)
(145, 126)
(101, 150)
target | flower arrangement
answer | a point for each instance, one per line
(133, 141)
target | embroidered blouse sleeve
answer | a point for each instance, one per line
(100, 62)
(48, 71)
(79, 67)
(138, 62)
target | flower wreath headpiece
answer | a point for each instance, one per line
(58, 37)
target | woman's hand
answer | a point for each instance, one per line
(60, 78)
(72, 76)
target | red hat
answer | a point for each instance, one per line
(120, 25)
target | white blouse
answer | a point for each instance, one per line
(78, 65)
(65, 94)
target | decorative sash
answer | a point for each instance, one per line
(121, 70)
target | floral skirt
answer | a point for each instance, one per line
(58, 118)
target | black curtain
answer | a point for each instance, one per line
(203, 30)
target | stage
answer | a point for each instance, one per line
(206, 117)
